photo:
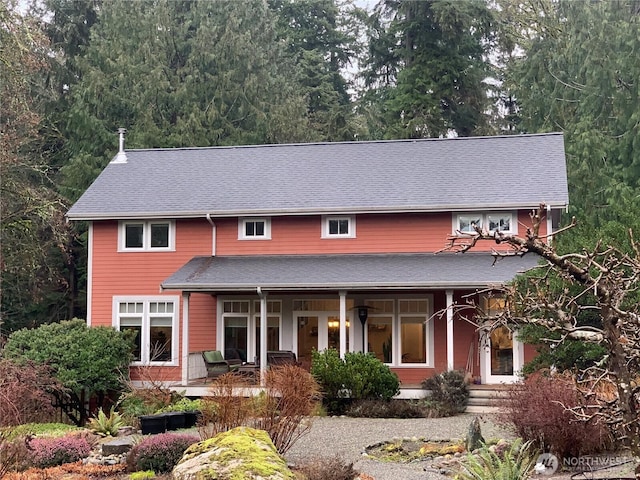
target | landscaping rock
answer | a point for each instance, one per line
(242, 452)
(117, 446)
(474, 437)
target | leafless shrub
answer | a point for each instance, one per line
(13, 453)
(290, 397)
(327, 468)
(26, 393)
(225, 409)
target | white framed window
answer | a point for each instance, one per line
(487, 221)
(254, 228)
(153, 324)
(415, 331)
(338, 226)
(235, 328)
(146, 235)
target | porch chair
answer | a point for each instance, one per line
(216, 364)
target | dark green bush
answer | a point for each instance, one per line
(359, 376)
(449, 392)
(394, 408)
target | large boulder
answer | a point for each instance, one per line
(242, 452)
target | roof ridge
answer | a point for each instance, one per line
(349, 142)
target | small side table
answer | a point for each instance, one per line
(249, 370)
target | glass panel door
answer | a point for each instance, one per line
(235, 335)
(502, 356)
(333, 332)
(307, 337)
(501, 340)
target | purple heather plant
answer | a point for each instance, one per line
(49, 452)
(161, 452)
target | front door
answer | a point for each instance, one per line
(501, 356)
(317, 331)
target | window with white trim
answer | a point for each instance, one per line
(416, 336)
(339, 226)
(487, 221)
(153, 325)
(235, 328)
(146, 235)
(400, 331)
(254, 228)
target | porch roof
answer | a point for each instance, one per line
(345, 272)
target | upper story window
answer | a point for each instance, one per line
(147, 235)
(343, 226)
(488, 221)
(254, 229)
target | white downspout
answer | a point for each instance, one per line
(185, 338)
(213, 235)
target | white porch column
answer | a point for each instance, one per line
(185, 338)
(449, 329)
(343, 323)
(263, 335)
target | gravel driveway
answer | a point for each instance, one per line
(348, 437)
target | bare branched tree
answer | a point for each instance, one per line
(604, 280)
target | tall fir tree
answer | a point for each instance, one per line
(35, 253)
(577, 71)
(321, 38)
(180, 73)
(427, 67)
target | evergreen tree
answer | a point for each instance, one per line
(427, 67)
(578, 72)
(35, 238)
(180, 73)
(320, 41)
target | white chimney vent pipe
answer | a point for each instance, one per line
(121, 157)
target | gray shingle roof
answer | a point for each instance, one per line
(335, 272)
(518, 171)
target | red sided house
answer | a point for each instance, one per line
(309, 246)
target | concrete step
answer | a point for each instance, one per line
(482, 409)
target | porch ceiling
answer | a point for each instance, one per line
(345, 272)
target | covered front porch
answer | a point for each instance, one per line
(401, 308)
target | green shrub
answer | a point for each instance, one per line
(183, 405)
(160, 453)
(329, 371)
(513, 462)
(359, 376)
(369, 378)
(449, 392)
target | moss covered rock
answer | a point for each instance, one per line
(240, 454)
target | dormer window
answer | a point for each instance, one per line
(488, 221)
(146, 235)
(254, 229)
(343, 226)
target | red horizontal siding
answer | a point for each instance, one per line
(375, 233)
